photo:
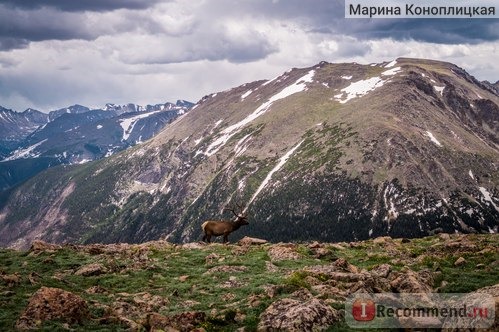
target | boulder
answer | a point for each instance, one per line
(336, 272)
(39, 245)
(476, 299)
(11, 280)
(444, 236)
(248, 241)
(227, 269)
(315, 245)
(342, 265)
(382, 239)
(96, 290)
(460, 261)
(381, 271)
(271, 267)
(337, 246)
(212, 258)
(185, 321)
(296, 315)
(53, 303)
(281, 252)
(411, 282)
(193, 245)
(157, 322)
(183, 278)
(325, 291)
(94, 269)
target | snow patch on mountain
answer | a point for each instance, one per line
(241, 146)
(270, 81)
(227, 133)
(277, 167)
(363, 87)
(129, 123)
(246, 94)
(488, 197)
(391, 64)
(439, 89)
(358, 89)
(433, 139)
(218, 123)
(391, 72)
(25, 153)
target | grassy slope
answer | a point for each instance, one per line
(156, 269)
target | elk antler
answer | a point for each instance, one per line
(231, 210)
(237, 214)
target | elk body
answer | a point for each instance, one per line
(221, 227)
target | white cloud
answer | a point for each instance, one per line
(187, 49)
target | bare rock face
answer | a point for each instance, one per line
(297, 315)
(52, 303)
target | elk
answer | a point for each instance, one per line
(221, 227)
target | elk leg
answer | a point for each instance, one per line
(226, 238)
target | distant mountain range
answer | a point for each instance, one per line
(333, 152)
(32, 141)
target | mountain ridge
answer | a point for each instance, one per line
(331, 152)
(75, 134)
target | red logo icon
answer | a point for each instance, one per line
(363, 310)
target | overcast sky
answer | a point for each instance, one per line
(56, 53)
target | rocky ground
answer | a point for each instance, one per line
(251, 285)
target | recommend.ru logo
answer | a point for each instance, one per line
(425, 310)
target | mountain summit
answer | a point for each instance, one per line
(332, 152)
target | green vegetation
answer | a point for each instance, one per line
(230, 284)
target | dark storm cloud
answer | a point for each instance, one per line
(440, 31)
(19, 28)
(9, 43)
(327, 16)
(24, 21)
(80, 5)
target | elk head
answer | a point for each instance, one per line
(241, 216)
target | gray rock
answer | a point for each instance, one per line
(246, 241)
(281, 252)
(411, 282)
(296, 315)
(94, 269)
(460, 261)
(381, 271)
(52, 304)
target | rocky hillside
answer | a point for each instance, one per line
(251, 285)
(334, 152)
